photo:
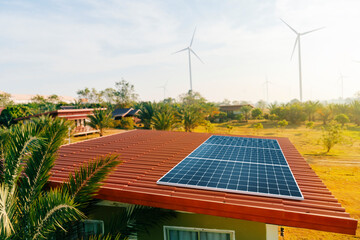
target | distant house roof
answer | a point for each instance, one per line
(121, 112)
(148, 155)
(226, 108)
(124, 112)
(69, 114)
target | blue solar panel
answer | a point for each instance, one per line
(234, 164)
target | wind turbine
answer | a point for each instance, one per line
(341, 78)
(189, 49)
(164, 87)
(297, 41)
(267, 89)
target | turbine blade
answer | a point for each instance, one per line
(192, 39)
(181, 50)
(296, 41)
(196, 55)
(289, 26)
(166, 83)
(317, 29)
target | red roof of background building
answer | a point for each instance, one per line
(148, 155)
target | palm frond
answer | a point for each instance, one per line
(50, 211)
(7, 211)
(85, 182)
(21, 141)
(39, 164)
(137, 219)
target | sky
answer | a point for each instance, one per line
(59, 47)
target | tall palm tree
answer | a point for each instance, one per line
(100, 120)
(190, 117)
(27, 211)
(148, 110)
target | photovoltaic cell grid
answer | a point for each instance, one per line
(233, 164)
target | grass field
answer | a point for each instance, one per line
(339, 169)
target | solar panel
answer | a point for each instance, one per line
(234, 164)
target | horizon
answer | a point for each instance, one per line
(52, 47)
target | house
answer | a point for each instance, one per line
(148, 155)
(120, 113)
(234, 109)
(78, 116)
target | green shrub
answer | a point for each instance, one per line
(124, 123)
(256, 113)
(283, 123)
(342, 119)
(309, 124)
(331, 135)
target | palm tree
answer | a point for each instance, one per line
(190, 118)
(148, 110)
(325, 113)
(164, 120)
(100, 120)
(246, 110)
(27, 211)
(310, 109)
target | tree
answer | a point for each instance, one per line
(27, 210)
(164, 118)
(54, 99)
(12, 112)
(190, 117)
(100, 120)
(282, 123)
(295, 113)
(109, 95)
(355, 111)
(245, 110)
(256, 113)
(310, 109)
(147, 111)
(84, 93)
(125, 94)
(5, 99)
(342, 119)
(331, 135)
(261, 104)
(325, 113)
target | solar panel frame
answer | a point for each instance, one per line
(256, 193)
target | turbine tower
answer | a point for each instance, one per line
(164, 88)
(297, 42)
(267, 89)
(341, 78)
(189, 49)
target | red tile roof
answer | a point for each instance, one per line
(148, 155)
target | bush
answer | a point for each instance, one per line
(258, 126)
(256, 113)
(309, 125)
(124, 123)
(209, 127)
(295, 114)
(283, 123)
(240, 117)
(229, 128)
(342, 119)
(332, 134)
(266, 116)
